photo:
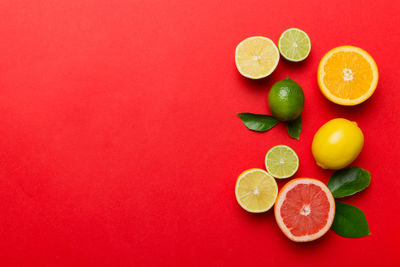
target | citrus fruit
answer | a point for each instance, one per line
(256, 190)
(305, 209)
(337, 144)
(294, 44)
(347, 75)
(286, 100)
(281, 161)
(256, 57)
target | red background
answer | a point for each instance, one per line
(120, 144)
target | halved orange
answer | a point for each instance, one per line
(347, 75)
(304, 209)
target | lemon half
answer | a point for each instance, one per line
(256, 57)
(256, 190)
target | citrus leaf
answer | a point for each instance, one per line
(294, 127)
(258, 122)
(350, 221)
(349, 181)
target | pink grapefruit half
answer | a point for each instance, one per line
(304, 209)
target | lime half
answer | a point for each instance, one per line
(294, 44)
(281, 161)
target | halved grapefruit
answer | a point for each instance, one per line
(305, 209)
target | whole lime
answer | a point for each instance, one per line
(286, 100)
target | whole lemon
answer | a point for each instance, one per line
(337, 144)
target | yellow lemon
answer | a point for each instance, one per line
(337, 144)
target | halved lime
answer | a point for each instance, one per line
(294, 45)
(281, 161)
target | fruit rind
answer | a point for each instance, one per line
(281, 197)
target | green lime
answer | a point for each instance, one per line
(286, 100)
(281, 161)
(294, 45)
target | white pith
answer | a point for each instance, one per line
(347, 74)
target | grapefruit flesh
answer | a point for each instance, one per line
(305, 209)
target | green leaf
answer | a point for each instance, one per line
(294, 127)
(258, 122)
(350, 221)
(349, 181)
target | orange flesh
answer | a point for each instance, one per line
(305, 209)
(348, 75)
